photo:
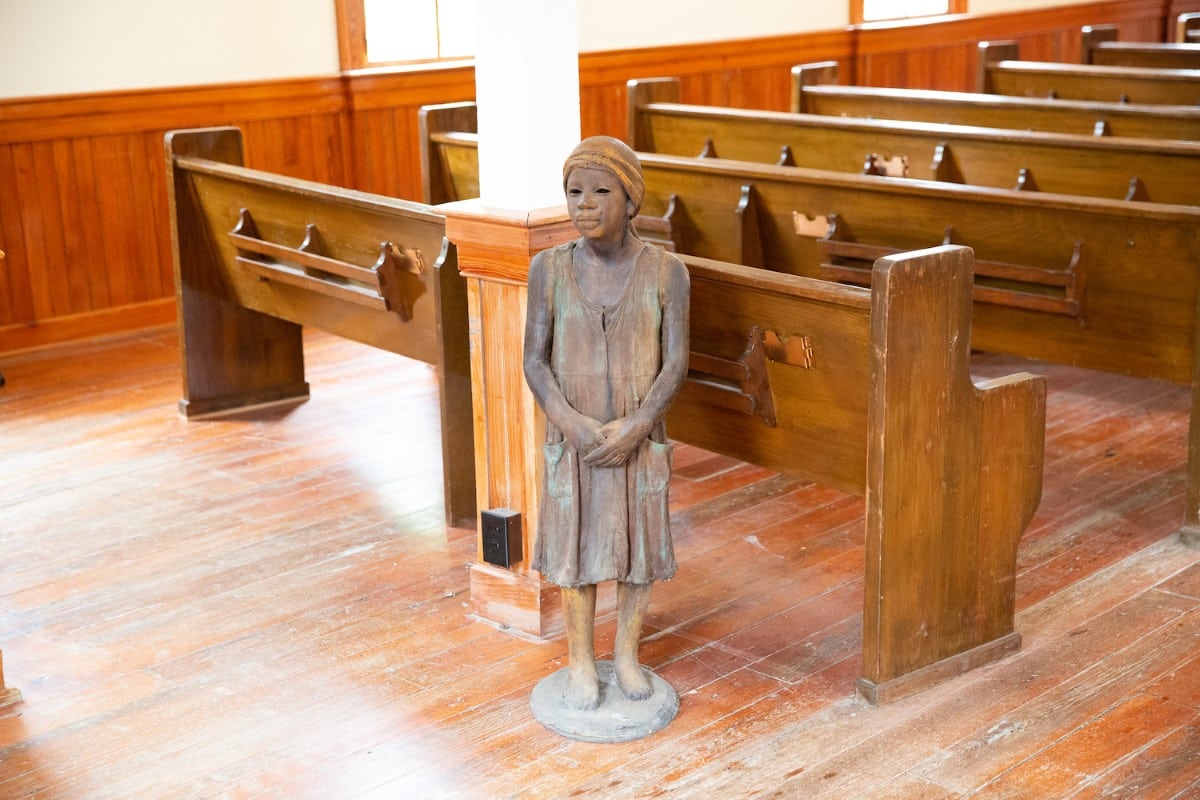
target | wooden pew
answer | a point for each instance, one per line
(832, 384)
(259, 255)
(1154, 170)
(815, 91)
(1099, 45)
(1001, 72)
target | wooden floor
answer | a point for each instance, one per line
(269, 605)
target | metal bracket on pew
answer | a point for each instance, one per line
(709, 150)
(1025, 181)
(1137, 190)
(894, 167)
(944, 167)
(749, 238)
(661, 231)
(786, 157)
(741, 385)
(380, 286)
(1053, 291)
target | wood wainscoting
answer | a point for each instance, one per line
(83, 209)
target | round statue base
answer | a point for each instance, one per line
(616, 719)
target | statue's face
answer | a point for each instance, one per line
(597, 203)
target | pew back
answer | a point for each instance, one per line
(1107, 285)
(449, 162)
(1000, 111)
(1100, 45)
(1187, 28)
(1001, 72)
(1154, 170)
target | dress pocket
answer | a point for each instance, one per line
(654, 467)
(560, 469)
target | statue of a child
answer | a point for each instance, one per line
(606, 352)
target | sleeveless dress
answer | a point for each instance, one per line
(605, 523)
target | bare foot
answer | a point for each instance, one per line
(633, 680)
(583, 689)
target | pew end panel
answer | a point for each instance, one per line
(643, 91)
(815, 73)
(232, 356)
(1091, 36)
(449, 168)
(954, 477)
(1187, 28)
(258, 256)
(987, 54)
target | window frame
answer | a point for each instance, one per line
(351, 17)
(856, 13)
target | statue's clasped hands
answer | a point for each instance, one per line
(613, 443)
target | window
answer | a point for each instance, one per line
(876, 10)
(373, 33)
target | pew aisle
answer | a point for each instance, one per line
(270, 605)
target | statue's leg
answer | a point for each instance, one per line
(632, 601)
(583, 686)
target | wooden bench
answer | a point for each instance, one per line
(1099, 45)
(815, 91)
(259, 255)
(832, 383)
(1001, 72)
(1154, 170)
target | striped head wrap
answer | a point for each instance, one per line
(605, 152)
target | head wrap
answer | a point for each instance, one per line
(605, 152)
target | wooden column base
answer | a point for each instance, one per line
(494, 250)
(878, 694)
(522, 601)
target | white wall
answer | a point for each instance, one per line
(69, 46)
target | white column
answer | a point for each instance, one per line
(527, 92)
